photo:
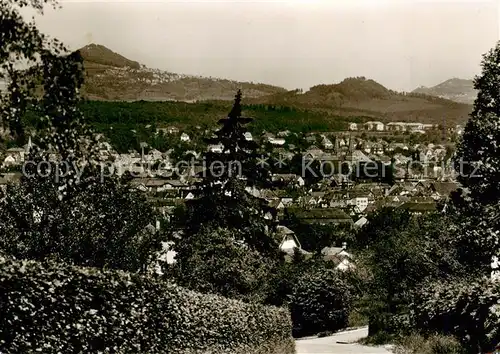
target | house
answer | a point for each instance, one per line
(153, 185)
(154, 155)
(419, 208)
(289, 241)
(17, 154)
(288, 179)
(361, 222)
(313, 153)
(340, 256)
(185, 137)
(284, 133)
(377, 149)
(174, 184)
(426, 126)
(360, 203)
(336, 251)
(353, 126)
(9, 161)
(311, 138)
(272, 139)
(277, 141)
(324, 216)
(415, 127)
(442, 189)
(378, 126)
(169, 130)
(396, 126)
(248, 136)
(277, 204)
(218, 148)
(326, 143)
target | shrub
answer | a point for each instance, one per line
(434, 344)
(465, 308)
(212, 261)
(320, 302)
(53, 308)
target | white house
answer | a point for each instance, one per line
(290, 179)
(248, 136)
(361, 222)
(17, 153)
(415, 127)
(339, 255)
(361, 203)
(277, 141)
(396, 126)
(327, 144)
(216, 148)
(9, 161)
(284, 133)
(185, 137)
(353, 126)
(289, 241)
(169, 130)
(378, 126)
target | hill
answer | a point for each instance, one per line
(100, 55)
(458, 90)
(111, 76)
(355, 97)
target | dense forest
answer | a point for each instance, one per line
(127, 124)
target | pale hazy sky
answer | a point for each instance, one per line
(295, 44)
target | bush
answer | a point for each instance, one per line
(54, 308)
(435, 344)
(465, 308)
(321, 301)
(236, 271)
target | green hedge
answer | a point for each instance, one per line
(53, 308)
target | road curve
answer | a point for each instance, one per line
(331, 344)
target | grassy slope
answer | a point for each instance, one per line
(110, 76)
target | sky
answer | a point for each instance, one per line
(401, 44)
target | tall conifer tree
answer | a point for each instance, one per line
(224, 200)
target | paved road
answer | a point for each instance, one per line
(330, 345)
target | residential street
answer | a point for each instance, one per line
(331, 345)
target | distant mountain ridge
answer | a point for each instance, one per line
(361, 97)
(111, 76)
(458, 90)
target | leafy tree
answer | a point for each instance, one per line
(478, 169)
(320, 301)
(64, 207)
(479, 148)
(218, 263)
(400, 251)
